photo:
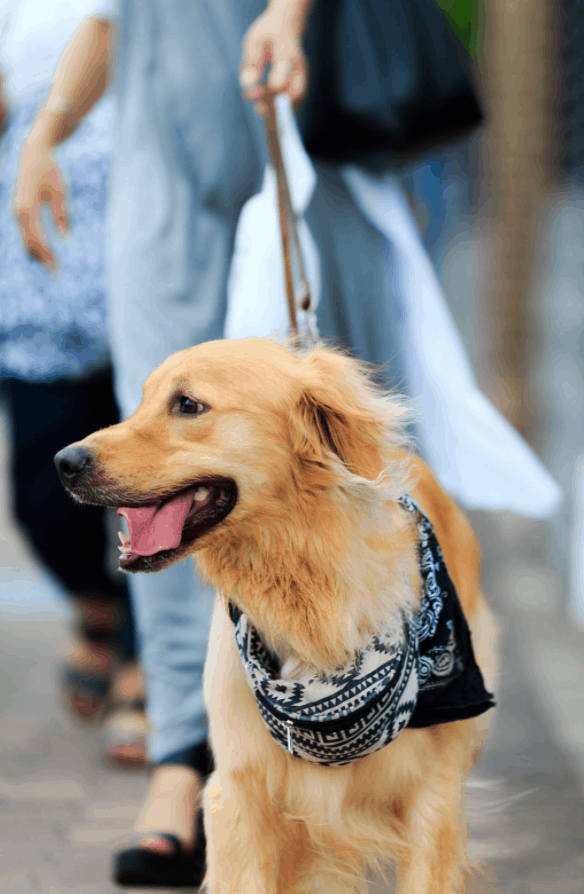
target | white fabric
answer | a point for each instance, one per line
(33, 35)
(256, 295)
(474, 452)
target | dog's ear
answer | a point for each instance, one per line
(341, 411)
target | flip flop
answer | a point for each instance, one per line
(94, 636)
(123, 737)
(84, 693)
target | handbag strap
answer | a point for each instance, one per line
(288, 223)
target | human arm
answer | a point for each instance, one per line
(80, 80)
(275, 38)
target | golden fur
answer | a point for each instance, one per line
(317, 553)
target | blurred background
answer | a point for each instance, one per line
(506, 233)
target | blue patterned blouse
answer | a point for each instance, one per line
(54, 325)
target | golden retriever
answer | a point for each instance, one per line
(280, 473)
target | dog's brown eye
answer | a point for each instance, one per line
(190, 407)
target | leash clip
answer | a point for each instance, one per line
(289, 724)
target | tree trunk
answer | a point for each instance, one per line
(521, 152)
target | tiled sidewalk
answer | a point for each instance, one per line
(62, 812)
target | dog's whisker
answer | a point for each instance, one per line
(484, 783)
(496, 806)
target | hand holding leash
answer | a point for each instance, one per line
(275, 39)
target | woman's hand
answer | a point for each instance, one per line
(275, 39)
(80, 80)
(39, 181)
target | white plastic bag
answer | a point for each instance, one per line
(256, 293)
(474, 452)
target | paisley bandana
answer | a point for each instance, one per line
(418, 672)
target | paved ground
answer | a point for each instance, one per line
(62, 812)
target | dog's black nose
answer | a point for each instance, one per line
(71, 461)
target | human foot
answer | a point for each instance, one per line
(92, 654)
(170, 807)
(89, 661)
(125, 728)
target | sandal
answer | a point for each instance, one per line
(125, 727)
(123, 739)
(86, 674)
(142, 868)
(97, 646)
(84, 694)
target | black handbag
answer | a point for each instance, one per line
(388, 80)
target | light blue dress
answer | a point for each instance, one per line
(188, 153)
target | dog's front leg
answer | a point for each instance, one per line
(244, 836)
(435, 861)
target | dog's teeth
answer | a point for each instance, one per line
(201, 494)
(123, 537)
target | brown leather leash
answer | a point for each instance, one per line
(298, 295)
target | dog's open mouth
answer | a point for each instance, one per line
(158, 532)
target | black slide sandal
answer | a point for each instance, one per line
(141, 868)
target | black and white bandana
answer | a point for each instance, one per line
(418, 672)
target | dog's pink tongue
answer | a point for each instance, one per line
(152, 529)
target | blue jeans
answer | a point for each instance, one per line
(173, 614)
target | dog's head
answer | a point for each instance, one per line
(233, 436)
